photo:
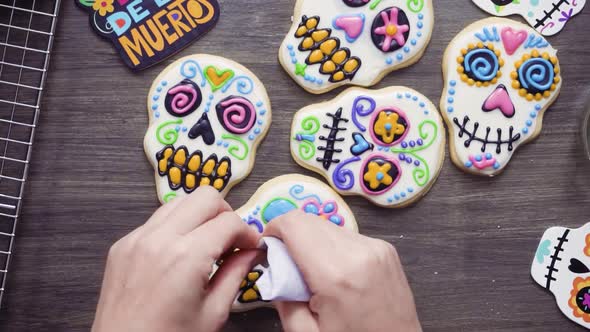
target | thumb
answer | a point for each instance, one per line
(225, 284)
(296, 317)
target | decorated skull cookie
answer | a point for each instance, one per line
(562, 266)
(500, 76)
(547, 16)
(207, 116)
(386, 145)
(277, 197)
(337, 42)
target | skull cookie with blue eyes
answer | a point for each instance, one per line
(562, 266)
(356, 42)
(500, 77)
(385, 145)
(548, 17)
(207, 116)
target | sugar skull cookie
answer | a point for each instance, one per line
(562, 266)
(277, 197)
(386, 145)
(357, 42)
(547, 17)
(500, 77)
(207, 116)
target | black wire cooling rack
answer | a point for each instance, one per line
(26, 35)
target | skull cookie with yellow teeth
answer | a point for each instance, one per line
(277, 197)
(356, 42)
(207, 116)
(561, 265)
(385, 145)
(500, 77)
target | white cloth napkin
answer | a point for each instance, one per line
(281, 280)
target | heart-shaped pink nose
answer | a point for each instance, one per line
(499, 99)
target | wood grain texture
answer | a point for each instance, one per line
(467, 246)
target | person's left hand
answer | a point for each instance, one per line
(157, 277)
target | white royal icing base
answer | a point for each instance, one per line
(375, 63)
(468, 100)
(299, 190)
(222, 147)
(417, 109)
(547, 17)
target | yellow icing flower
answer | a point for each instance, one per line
(377, 175)
(580, 299)
(103, 6)
(387, 127)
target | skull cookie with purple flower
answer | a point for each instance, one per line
(357, 42)
(386, 145)
(500, 77)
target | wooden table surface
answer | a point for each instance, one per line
(467, 246)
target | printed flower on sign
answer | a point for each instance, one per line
(103, 7)
(328, 211)
(580, 299)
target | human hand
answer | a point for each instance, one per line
(357, 283)
(157, 277)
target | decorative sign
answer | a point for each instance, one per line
(146, 32)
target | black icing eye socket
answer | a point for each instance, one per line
(536, 76)
(502, 2)
(480, 65)
(183, 98)
(577, 267)
(355, 3)
(390, 30)
(583, 299)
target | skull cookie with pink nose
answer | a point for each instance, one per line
(500, 77)
(548, 17)
(338, 42)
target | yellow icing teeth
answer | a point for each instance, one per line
(186, 173)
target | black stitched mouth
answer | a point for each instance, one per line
(487, 140)
(548, 15)
(331, 140)
(555, 257)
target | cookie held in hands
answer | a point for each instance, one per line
(277, 197)
(207, 117)
(354, 42)
(385, 145)
(500, 76)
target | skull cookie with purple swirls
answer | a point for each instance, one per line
(500, 77)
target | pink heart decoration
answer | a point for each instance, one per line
(351, 24)
(512, 39)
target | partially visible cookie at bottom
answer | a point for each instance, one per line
(386, 145)
(277, 197)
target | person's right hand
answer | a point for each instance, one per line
(357, 283)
